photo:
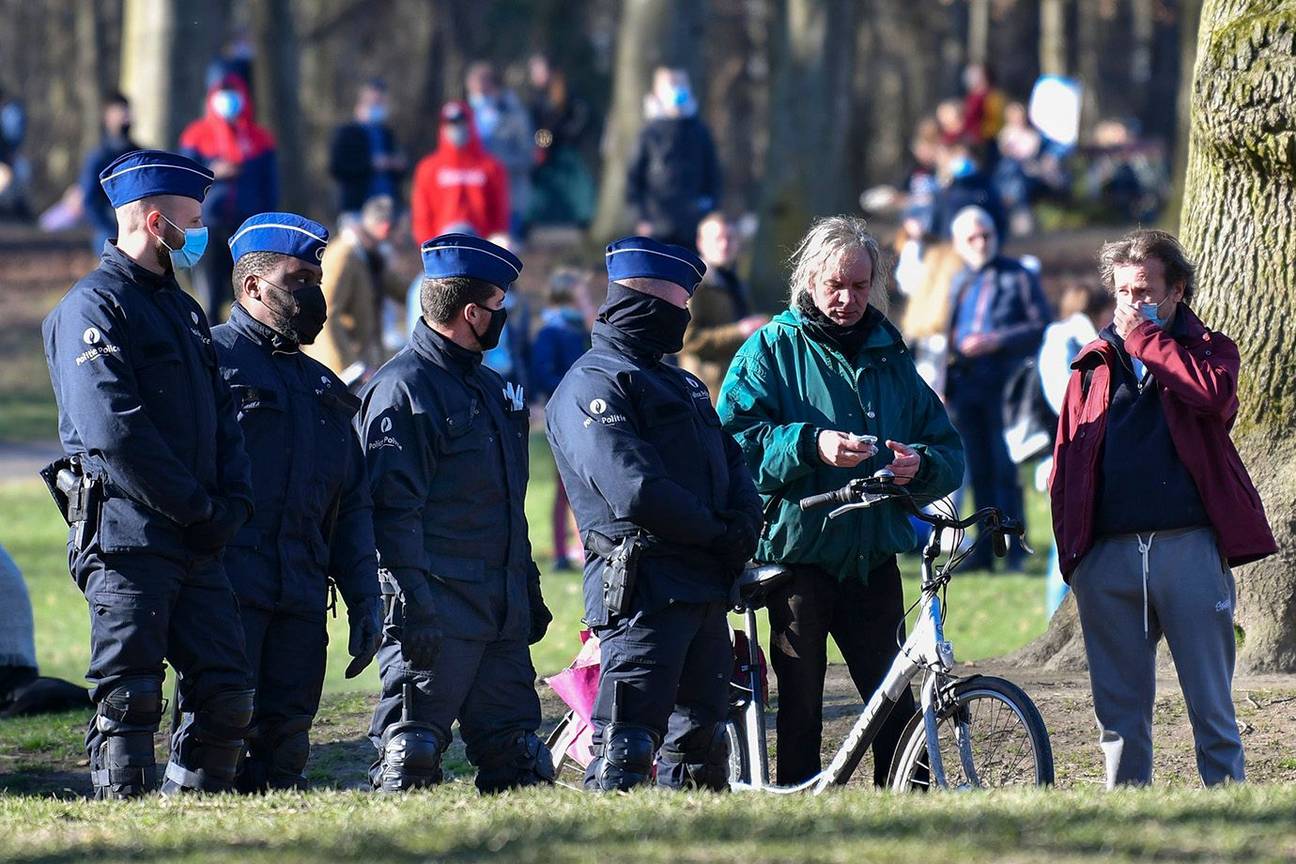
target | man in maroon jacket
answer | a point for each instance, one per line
(1152, 505)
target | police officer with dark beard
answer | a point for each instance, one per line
(313, 524)
(446, 448)
(667, 507)
(154, 484)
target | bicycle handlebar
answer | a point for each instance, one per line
(881, 486)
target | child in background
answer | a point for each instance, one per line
(562, 338)
(1084, 310)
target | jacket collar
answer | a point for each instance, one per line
(884, 335)
(261, 334)
(437, 349)
(134, 272)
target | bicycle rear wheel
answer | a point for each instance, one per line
(991, 735)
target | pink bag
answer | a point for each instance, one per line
(577, 687)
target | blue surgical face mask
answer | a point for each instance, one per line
(227, 103)
(1152, 312)
(195, 244)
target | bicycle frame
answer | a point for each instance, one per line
(925, 648)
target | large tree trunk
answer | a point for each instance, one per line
(651, 33)
(1189, 19)
(1237, 223)
(165, 48)
(814, 58)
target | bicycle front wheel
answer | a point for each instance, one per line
(990, 734)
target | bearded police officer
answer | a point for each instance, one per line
(155, 483)
(313, 522)
(665, 503)
(446, 448)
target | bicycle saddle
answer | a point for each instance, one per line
(756, 582)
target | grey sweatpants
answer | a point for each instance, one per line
(1131, 589)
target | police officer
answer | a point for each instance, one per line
(150, 432)
(651, 476)
(446, 449)
(313, 522)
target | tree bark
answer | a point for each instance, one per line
(814, 59)
(651, 33)
(1237, 223)
(1189, 19)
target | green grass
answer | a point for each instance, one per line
(1243, 824)
(988, 615)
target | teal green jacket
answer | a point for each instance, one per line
(782, 389)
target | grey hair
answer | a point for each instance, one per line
(972, 215)
(1144, 243)
(828, 237)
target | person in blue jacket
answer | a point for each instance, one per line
(162, 483)
(446, 450)
(313, 525)
(116, 142)
(647, 466)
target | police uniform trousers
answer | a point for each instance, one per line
(288, 657)
(676, 663)
(487, 684)
(145, 610)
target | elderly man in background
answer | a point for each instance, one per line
(720, 307)
(999, 316)
(358, 275)
(1152, 506)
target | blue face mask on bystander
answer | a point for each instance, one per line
(1152, 312)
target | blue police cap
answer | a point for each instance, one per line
(282, 233)
(144, 173)
(453, 255)
(646, 258)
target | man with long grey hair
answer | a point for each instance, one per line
(808, 398)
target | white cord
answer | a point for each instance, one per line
(1144, 549)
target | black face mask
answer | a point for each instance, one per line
(491, 337)
(657, 324)
(847, 339)
(301, 318)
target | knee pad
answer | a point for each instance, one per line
(627, 756)
(207, 756)
(277, 752)
(121, 749)
(705, 766)
(523, 760)
(411, 758)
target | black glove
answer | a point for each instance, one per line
(210, 536)
(737, 544)
(541, 617)
(365, 620)
(420, 637)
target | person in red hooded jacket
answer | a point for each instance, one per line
(459, 186)
(241, 154)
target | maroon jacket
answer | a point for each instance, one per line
(1198, 381)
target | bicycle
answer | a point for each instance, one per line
(956, 740)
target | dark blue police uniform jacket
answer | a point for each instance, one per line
(640, 448)
(313, 516)
(446, 451)
(138, 389)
